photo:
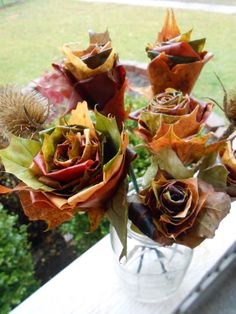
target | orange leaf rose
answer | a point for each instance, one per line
(172, 108)
(176, 60)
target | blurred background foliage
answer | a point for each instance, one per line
(32, 32)
(16, 266)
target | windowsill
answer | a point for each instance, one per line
(90, 284)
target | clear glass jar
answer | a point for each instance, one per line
(149, 272)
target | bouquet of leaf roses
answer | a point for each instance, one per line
(183, 195)
(80, 162)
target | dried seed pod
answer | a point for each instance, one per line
(22, 113)
(230, 106)
(229, 109)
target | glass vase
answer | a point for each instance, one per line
(150, 272)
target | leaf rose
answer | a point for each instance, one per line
(94, 75)
(229, 161)
(176, 60)
(78, 167)
(185, 113)
(183, 211)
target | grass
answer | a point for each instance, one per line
(223, 2)
(32, 31)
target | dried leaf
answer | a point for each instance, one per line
(99, 38)
(229, 161)
(80, 116)
(168, 161)
(18, 157)
(180, 77)
(170, 28)
(189, 150)
(37, 206)
(215, 175)
(151, 124)
(108, 127)
(141, 217)
(117, 214)
(198, 45)
(95, 217)
(76, 65)
(5, 190)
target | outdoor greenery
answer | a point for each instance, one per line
(16, 267)
(78, 227)
(32, 32)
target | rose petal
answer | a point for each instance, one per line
(181, 77)
(63, 175)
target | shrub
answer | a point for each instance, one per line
(78, 228)
(141, 163)
(16, 267)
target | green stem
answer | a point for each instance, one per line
(133, 178)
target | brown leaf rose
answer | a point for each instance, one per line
(229, 161)
(183, 211)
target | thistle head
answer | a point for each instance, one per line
(230, 106)
(22, 113)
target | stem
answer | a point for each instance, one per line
(140, 261)
(231, 128)
(133, 178)
(161, 263)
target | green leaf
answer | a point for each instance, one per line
(18, 157)
(151, 120)
(208, 161)
(50, 142)
(154, 120)
(182, 37)
(215, 175)
(151, 172)
(213, 172)
(168, 161)
(198, 45)
(117, 214)
(175, 59)
(186, 36)
(109, 128)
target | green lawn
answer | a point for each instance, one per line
(32, 31)
(225, 2)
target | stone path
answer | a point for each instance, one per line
(217, 8)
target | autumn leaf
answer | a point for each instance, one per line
(189, 150)
(151, 124)
(108, 127)
(168, 161)
(18, 157)
(180, 77)
(99, 38)
(80, 116)
(170, 28)
(37, 206)
(117, 214)
(76, 65)
(216, 207)
(215, 175)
